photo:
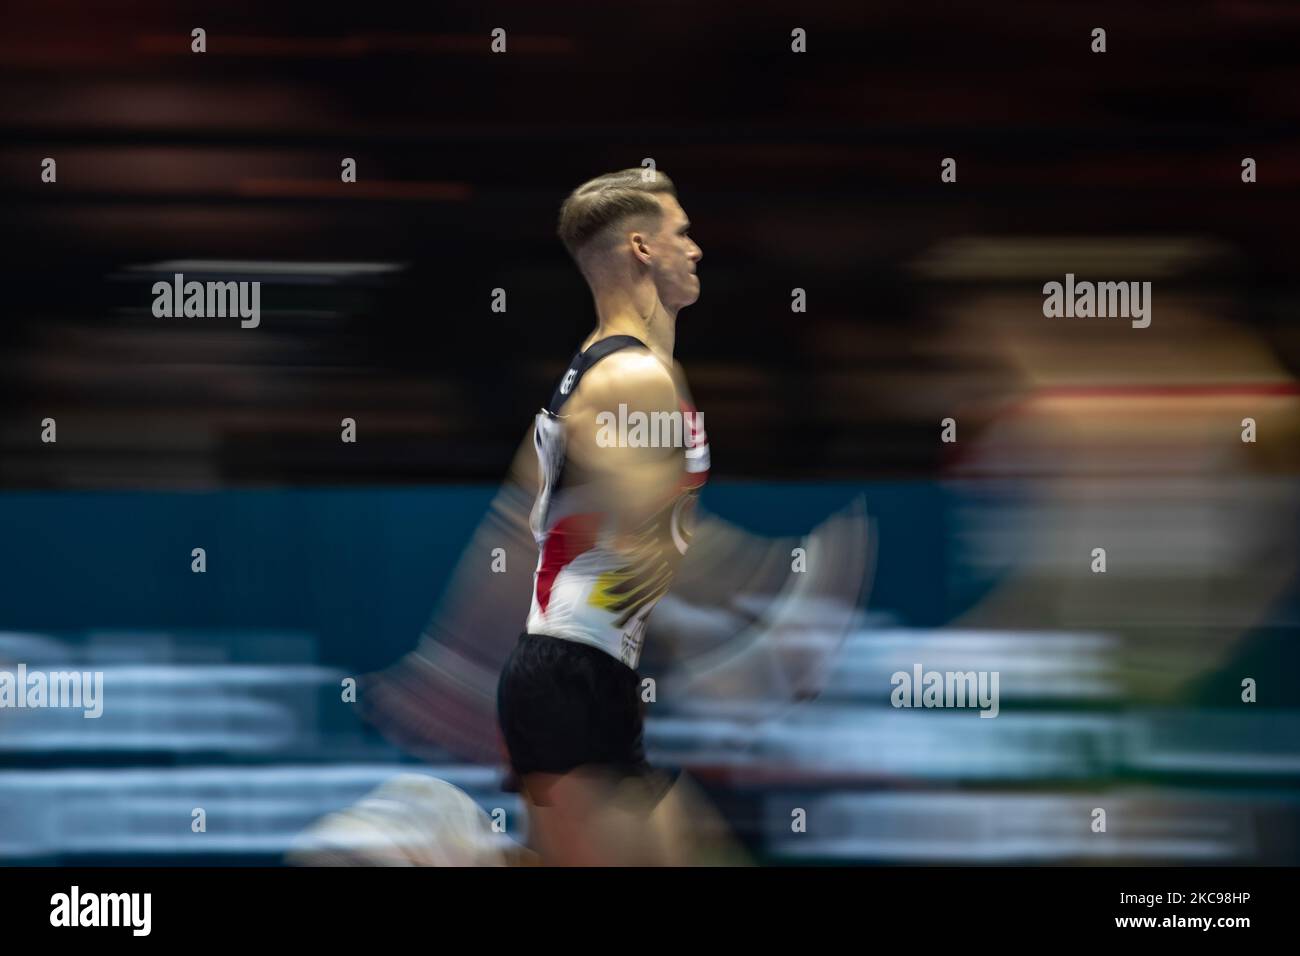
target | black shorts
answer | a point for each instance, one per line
(563, 705)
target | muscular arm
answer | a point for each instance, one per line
(631, 484)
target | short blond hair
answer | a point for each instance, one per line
(607, 201)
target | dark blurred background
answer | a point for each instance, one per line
(818, 171)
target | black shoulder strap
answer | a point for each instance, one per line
(582, 361)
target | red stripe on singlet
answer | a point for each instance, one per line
(695, 438)
(569, 538)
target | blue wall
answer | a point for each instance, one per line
(362, 569)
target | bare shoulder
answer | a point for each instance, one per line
(636, 366)
(633, 377)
